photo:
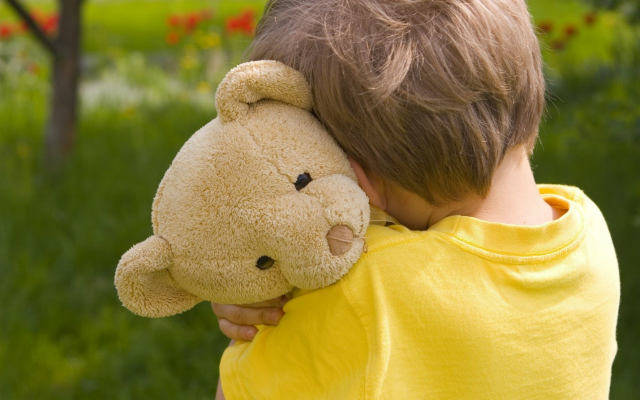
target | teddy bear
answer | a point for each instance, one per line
(259, 201)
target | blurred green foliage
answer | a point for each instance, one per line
(629, 8)
(63, 333)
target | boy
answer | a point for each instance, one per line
(492, 287)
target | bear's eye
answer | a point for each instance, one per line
(265, 262)
(302, 181)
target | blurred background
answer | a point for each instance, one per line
(76, 183)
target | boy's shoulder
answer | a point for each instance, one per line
(400, 257)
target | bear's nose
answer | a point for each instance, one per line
(340, 239)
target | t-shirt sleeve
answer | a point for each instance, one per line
(318, 350)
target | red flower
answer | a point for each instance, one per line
(5, 31)
(49, 24)
(172, 38)
(558, 44)
(241, 23)
(570, 30)
(590, 18)
(191, 22)
(173, 20)
(545, 27)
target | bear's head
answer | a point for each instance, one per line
(258, 201)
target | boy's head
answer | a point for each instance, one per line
(429, 94)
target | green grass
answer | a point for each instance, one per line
(63, 333)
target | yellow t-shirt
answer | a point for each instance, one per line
(468, 309)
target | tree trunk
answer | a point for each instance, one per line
(61, 126)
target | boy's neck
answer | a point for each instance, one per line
(513, 198)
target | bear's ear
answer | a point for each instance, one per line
(253, 81)
(144, 284)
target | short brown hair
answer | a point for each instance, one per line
(427, 93)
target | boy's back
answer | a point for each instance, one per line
(467, 309)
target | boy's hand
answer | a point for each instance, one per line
(237, 322)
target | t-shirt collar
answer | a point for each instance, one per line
(506, 241)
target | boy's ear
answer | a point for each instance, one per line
(144, 284)
(370, 185)
(253, 81)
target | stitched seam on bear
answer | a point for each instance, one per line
(255, 142)
(263, 155)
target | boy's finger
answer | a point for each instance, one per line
(248, 316)
(236, 332)
(277, 302)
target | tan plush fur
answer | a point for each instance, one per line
(230, 198)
